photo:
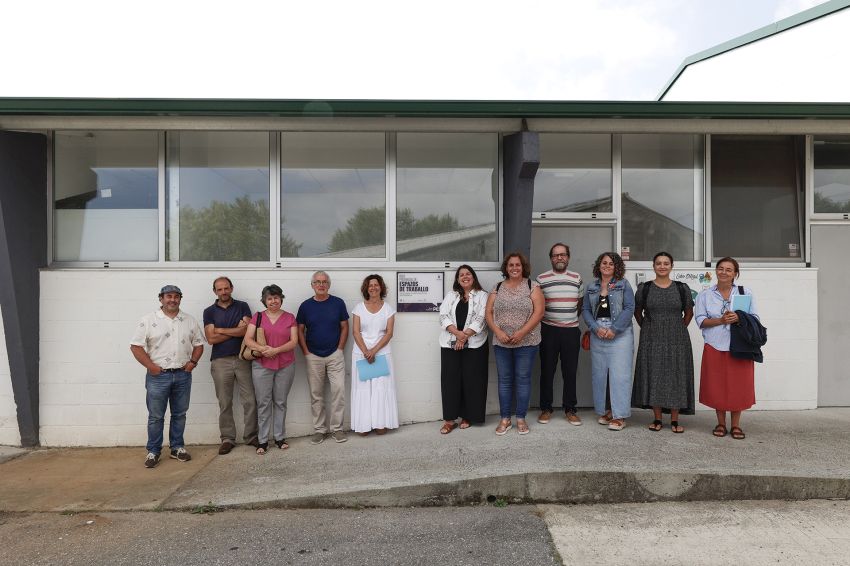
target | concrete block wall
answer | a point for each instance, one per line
(9, 433)
(92, 390)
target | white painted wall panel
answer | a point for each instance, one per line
(92, 390)
(9, 433)
(801, 64)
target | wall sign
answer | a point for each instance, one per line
(419, 291)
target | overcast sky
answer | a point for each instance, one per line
(376, 49)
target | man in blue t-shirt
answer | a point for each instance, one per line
(225, 322)
(322, 332)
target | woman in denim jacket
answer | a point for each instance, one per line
(607, 309)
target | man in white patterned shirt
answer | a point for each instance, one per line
(169, 343)
(560, 335)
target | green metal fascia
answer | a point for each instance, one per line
(803, 17)
(416, 108)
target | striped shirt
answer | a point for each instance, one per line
(562, 291)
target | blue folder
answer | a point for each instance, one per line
(367, 371)
(741, 303)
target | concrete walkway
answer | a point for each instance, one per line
(786, 455)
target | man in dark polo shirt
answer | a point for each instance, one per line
(225, 322)
(322, 332)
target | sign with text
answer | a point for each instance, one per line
(419, 291)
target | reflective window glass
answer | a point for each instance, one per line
(574, 173)
(661, 194)
(447, 197)
(218, 196)
(333, 194)
(832, 175)
(756, 195)
(105, 196)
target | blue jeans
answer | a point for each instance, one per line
(514, 368)
(167, 387)
(611, 364)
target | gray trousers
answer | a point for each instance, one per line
(226, 372)
(271, 389)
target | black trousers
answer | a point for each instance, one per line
(557, 342)
(463, 382)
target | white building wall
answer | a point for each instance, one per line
(92, 390)
(801, 64)
(9, 433)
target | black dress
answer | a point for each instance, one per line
(664, 370)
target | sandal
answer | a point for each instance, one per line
(464, 424)
(261, 448)
(504, 426)
(737, 433)
(605, 419)
(616, 424)
(521, 426)
(656, 425)
(380, 431)
(676, 427)
(448, 427)
(282, 444)
(719, 431)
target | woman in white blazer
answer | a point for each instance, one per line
(463, 352)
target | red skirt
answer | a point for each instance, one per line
(726, 383)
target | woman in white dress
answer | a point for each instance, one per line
(373, 401)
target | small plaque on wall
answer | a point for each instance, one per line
(419, 291)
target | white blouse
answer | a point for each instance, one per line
(474, 318)
(373, 326)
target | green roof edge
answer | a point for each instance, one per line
(414, 108)
(801, 18)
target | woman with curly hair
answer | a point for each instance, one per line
(373, 401)
(607, 309)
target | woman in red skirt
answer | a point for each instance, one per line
(726, 383)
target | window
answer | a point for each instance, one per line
(218, 196)
(333, 195)
(756, 195)
(832, 175)
(447, 197)
(662, 192)
(105, 196)
(574, 173)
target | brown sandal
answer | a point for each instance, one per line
(448, 427)
(737, 433)
(464, 424)
(719, 431)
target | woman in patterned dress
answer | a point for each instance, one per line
(664, 370)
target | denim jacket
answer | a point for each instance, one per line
(621, 299)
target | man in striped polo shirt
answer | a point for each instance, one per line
(560, 333)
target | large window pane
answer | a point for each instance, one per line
(662, 186)
(105, 194)
(756, 191)
(218, 196)
(574, 173)
(447, 195)
(333, 194)
(832, 174)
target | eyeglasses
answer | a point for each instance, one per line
(321, 283)
(560, 255)
(724, 308)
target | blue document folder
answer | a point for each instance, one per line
(741, 303)
(367, 371)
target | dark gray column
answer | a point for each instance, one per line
(23, 250)
(521, 158)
